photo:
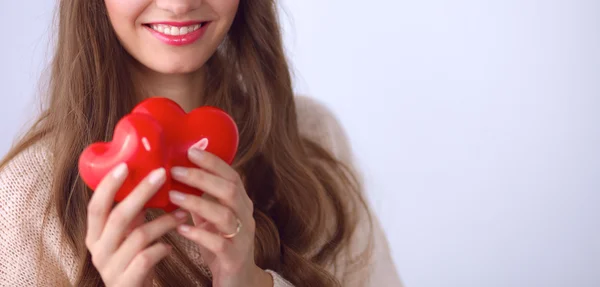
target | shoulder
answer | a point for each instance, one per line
(30, 249)
(319, 124)
(25, 180)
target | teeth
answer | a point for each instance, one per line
(175, 31)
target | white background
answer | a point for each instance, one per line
(475, 122)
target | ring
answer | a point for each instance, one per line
(232, 235)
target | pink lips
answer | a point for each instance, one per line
(179, 40)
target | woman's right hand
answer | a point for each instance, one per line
(119, 245)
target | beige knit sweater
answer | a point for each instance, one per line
(24, 192)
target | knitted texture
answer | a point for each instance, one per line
(278, 281)
(34, 256)
(25, 247)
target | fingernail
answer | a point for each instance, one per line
(201, 144)
(180, 214)
(176, 196)
(179, 171)
(183, 228)
(157, 176)
(120, 170)
(197, 150)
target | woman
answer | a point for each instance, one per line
(288, 212)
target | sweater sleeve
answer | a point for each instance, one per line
(30, 249)
(278, 281)
(319, 124)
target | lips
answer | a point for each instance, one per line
(172, 30)
(177, 33)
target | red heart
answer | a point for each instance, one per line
(158, 133)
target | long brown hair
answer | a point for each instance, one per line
(306, 201)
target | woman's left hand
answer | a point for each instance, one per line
(224, 227)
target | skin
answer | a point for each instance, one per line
(175, 72)
(120, 242)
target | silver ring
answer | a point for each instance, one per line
(232, 235)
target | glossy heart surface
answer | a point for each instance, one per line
(158, 133)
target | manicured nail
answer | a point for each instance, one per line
(120, 170)
(180, 214)
(183, 228)
(176, 196)
(179, 171)
(157, 176)
(201, 144)
(197, 150)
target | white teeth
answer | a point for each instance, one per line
(175, 31)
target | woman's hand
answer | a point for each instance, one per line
(224, 226)
(119, 241)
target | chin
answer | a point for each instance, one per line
(175, 67)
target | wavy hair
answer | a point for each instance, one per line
(305, 200)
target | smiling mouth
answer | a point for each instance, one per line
(171, 30)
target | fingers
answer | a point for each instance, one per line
(226, 192)
(211, 241)
(212, 163)
(142, 264)
(122, 215)
(137, 221)
(223, 218)
(144, 235)
(102, 200)
(197, 219)
(117, 258)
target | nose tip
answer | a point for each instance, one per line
(178, 7)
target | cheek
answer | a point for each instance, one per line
(226, 9)
(123, 15)
(127, 17)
